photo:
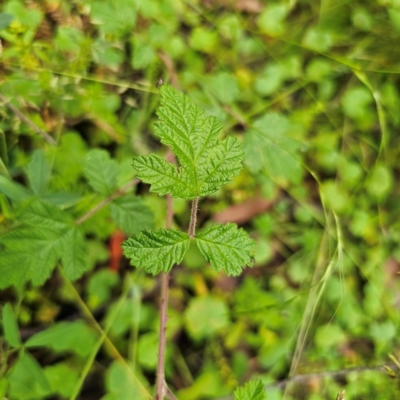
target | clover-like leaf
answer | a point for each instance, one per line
(205, 162)
(269, 149)
(252, 390)
(158, 250)
(226, 247)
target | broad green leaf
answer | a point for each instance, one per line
(114, 18)
(148, 350)
(318, 40)
(100, 286)
(203, 39)
(62, 199)
(39, 173)
(252, 390)
(224, 87)
(226, 247)
(28, 253)
(268, 149)
(131, 214)
(31, 251)
(101, 171)
(206, 162)
(27, 380)
(206, 316)
(3, 387)
(156, 251)
(380, 182)
(45, 215)
(75, 337)
(5, 20)
(121, 384)
(271, 20)
(10, 326)
(13, 190)
(74, 254)
(62, 379)
(355, 102)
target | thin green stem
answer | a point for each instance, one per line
(98, 344)
(107, 342)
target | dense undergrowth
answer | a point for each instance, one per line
(310, 89)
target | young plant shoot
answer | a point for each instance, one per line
(205, 164)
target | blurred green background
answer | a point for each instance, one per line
(311, 88)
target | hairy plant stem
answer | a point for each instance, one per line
(193, 218)
(161, 387)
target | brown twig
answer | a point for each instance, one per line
(161, 386)
(27, 121)
(193, 218)
(162, 389)
(106, 201)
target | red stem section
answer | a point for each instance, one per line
(161, 387)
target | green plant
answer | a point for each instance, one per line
(205, 162)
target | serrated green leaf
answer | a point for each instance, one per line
(74, 253)
(206, 162)
(28, 253)
(252, 390)
(101, 171)
(268, 149)
(131, 214)
(76, 337)
(46, 216)
(205, 316)
(10, 326)
(226, 247)
(38, 172)
(31, 251)
(162, 176)
(156, 251)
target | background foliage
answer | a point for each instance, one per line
(309, 88)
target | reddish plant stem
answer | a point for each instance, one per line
(193, 218)
(161, 386)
